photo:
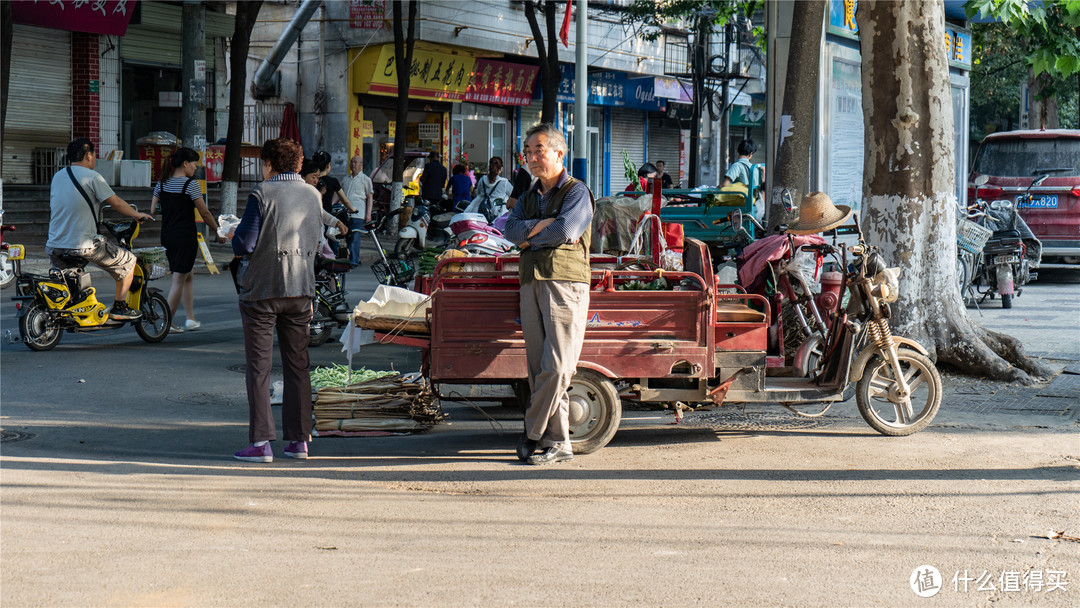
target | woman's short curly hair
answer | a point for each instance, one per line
(284, 155)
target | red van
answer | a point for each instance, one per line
(1050, 159)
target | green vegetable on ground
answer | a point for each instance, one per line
(338, 375)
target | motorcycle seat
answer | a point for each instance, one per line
(334, 266)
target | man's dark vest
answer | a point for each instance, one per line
(567, 262)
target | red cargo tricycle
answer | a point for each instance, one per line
(685, 341)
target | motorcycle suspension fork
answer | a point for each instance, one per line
(900, 395)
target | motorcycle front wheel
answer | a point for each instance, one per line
(156, 317)
(36, 328)
(881, 407)
(320, 325)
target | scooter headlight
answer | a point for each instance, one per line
(886, 285)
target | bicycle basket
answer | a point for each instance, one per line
(970, 236)
(397, 273)
(155, 261)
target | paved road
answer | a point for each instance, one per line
(120, 491)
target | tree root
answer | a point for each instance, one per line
(990, 354)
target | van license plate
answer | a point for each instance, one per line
(1044, 201)
(1006, 259)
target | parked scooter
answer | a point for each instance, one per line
(65, 301)
(1010, 254)
(330, 307)
(422, 231)
(473, 234)
(11, 256)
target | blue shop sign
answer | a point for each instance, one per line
(957, 40)
(611, 89)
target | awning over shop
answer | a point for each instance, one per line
(100, 17)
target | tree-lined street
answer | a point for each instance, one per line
(119, 489)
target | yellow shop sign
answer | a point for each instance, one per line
(437, 72)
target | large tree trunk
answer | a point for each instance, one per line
(403, 53)
(908, 188)
(547, 51)
(800, 95)
(246, 15)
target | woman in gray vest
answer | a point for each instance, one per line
(552, 225)
(276, 240)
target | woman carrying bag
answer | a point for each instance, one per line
(491, 191)
(180, 196)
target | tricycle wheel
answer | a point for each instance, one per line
(881, 407)
(595, 411)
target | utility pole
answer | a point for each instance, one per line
(698, 67)
(580, 167)
(193, 77)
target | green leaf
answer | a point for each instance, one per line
(1067, 66)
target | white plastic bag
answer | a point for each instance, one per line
(227, 222)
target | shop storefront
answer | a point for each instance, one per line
(840, 159)
(483, 125)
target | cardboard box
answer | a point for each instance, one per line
(135, 173)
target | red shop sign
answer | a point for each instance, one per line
(94, 16)
(499, 82)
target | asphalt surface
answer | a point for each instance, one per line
(117, 488)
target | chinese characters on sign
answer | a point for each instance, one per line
(367, 14)
(501, 82)
(94, 16)
(957, 41)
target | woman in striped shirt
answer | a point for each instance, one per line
(180, 196)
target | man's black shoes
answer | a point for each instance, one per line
(550, 455)
(525, 448)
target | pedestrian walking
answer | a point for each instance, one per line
(552, 225)
(433, 181)
(358, 187)
(459, 186)
(180, 197)
(739, 171)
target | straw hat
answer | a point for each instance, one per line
(818, 214)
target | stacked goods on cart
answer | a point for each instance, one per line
(390, 404)
(393, 309)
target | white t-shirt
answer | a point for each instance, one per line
(71, 226)
(356, 190)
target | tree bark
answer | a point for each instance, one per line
(403, 53)
(547, 51)
(800, 96)
(908, 188)
(239, 45)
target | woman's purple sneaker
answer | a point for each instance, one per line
(256, 454)
(297, 449)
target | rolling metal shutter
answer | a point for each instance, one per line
(39, 108)
(627, 133)
(664, 143)
(158, 39)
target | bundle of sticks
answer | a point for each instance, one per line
(392, 404)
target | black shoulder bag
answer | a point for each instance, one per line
(86, 197)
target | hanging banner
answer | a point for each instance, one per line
(367, 14)
(674, 89)
(109, 17)
(503, 83)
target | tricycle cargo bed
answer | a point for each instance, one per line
(476, 334)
